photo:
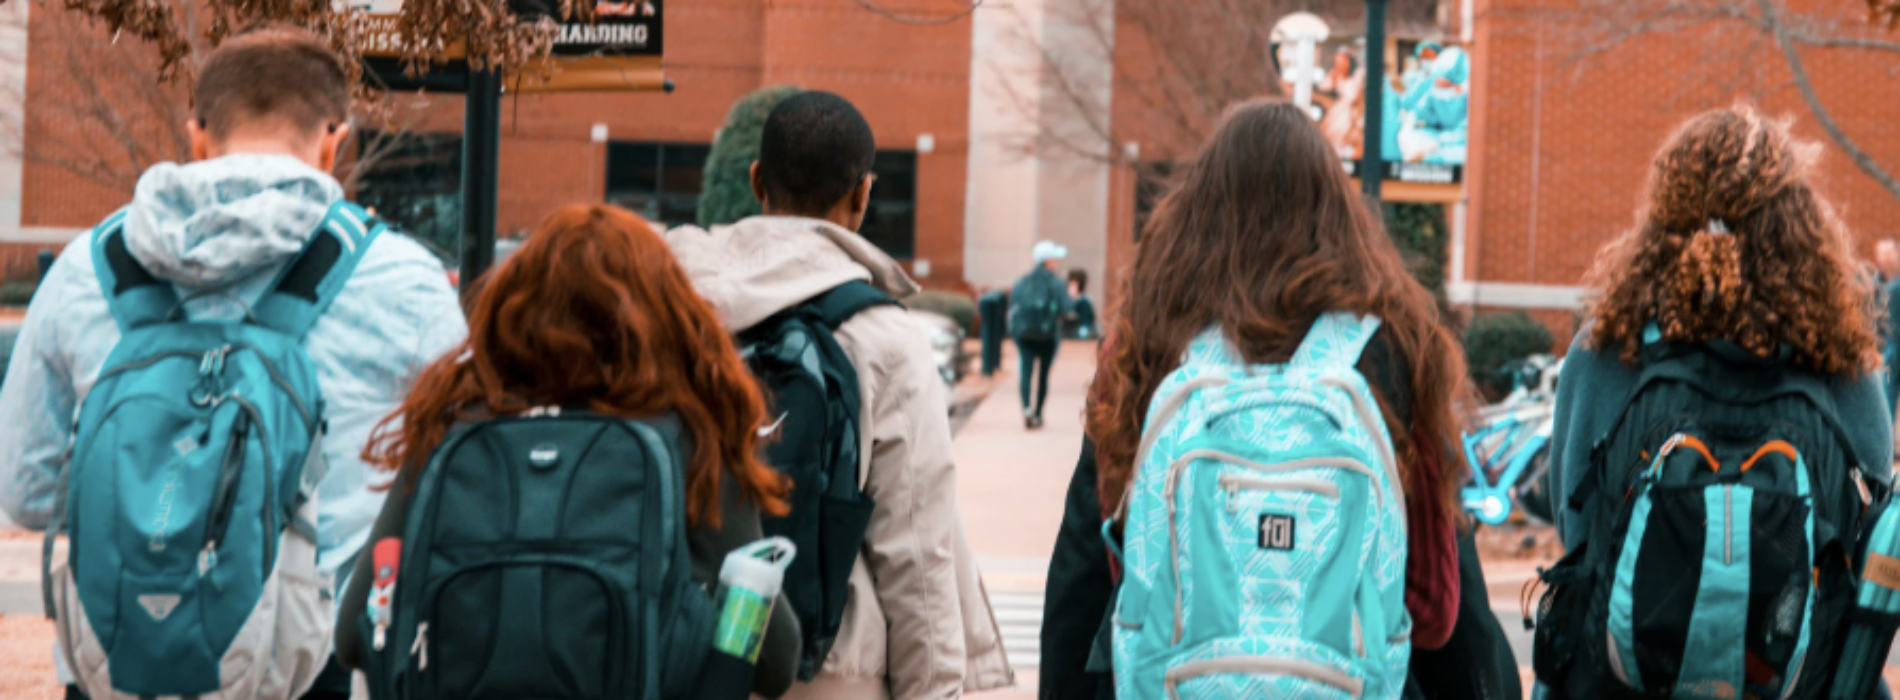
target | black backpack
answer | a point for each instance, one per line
(1725, 504)
(1035, 306)
(812, 388)
(546, 557)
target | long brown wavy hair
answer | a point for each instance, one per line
(594, 312)
(1735, 244)
(1265, 234)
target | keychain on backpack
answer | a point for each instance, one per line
(382, 593)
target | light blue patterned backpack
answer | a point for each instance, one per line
(1265, 531)
(190, 499)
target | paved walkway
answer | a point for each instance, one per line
(1011, 483)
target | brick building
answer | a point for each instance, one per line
(642, 150)
(1560, 142)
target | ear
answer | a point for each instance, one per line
(330, 147)
(861, 195)
(200, 139)
(758, 186)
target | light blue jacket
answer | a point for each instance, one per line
(219, 231)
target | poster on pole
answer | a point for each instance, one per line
(621, 49)
(1426, 106)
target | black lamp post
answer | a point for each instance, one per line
(1371, 154)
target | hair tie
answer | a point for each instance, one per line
(1718, 227)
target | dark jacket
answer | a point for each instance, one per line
(1593, 388)
(739, 526)
(1476, 663)
(1040, 283)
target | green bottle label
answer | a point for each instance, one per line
(742, 624)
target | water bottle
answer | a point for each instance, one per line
(749, 583)
(1876, 612)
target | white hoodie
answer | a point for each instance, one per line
(918, 624)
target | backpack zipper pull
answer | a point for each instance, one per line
(381, 637)
(420, 649)
(1233, 495)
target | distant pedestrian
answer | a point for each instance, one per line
(1082, 324)
(1037, 305)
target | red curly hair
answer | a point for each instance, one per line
(1736, 244)
(594, 312)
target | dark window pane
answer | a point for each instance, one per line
(632, 167)
(414, 181)
(891, 221)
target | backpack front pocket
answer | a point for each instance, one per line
(525, 628)
(1253, 667)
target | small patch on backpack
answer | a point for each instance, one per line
(159, 606)
(1276, 532)
(186, 445)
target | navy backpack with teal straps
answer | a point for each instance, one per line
(190, 497)
(1725, 507)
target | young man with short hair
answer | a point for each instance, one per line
(917, 623)
(271, 111)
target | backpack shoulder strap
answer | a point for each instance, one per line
(305, 287)
(1336, 341)
(835, 307)
(136, 298)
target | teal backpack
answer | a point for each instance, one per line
(1264, 531)
(190, 498)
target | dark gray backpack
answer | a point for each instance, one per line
(546, 557)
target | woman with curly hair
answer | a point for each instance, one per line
(1737, 252)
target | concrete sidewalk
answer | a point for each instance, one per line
(1011, 483)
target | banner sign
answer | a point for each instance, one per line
(1426, 105)
(622, 49)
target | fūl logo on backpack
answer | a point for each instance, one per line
(1276, 532)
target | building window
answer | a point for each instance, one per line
(891, 221)
(414, 182)
(658, 181)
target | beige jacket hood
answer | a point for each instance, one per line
(918, 624)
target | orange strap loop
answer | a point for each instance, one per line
(1695, 443)
(1775, 447)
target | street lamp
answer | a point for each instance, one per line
(1371, 155)
(1304, 31)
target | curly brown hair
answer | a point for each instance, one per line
(1735, 244)
(1265, 234)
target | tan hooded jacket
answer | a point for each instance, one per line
(918, 624)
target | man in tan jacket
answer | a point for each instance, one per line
(918, 623)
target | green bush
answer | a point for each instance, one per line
(958, 307)
(1495, 341)
(726, 193)
(16, 293)
(1421, 235)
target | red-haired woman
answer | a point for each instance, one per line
(593, 312)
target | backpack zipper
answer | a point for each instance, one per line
(420, 649)
(1233, 484)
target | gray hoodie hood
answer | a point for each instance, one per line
(218, 222)
(766, 264)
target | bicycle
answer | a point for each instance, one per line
(1509, 449)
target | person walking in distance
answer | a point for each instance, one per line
(1036, 307)
(912, 620)
(253, 242)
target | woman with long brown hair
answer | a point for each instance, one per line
(593, 312)
(1263, 236)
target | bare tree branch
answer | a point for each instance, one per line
(1861, 159)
